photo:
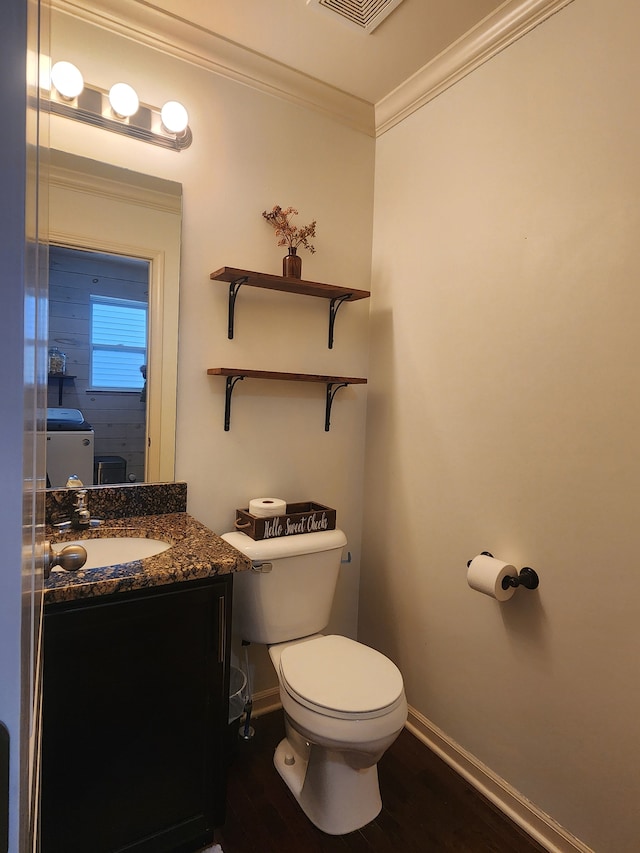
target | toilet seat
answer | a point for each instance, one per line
(340, 678)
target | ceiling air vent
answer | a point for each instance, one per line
(365, 15)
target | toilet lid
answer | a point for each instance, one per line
(339, 674)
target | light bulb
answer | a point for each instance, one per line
(67, 79)
(124, 100)
(174, 117)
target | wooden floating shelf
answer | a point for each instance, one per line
(335, 293)
(233, 375)
(288, 377)
(288, 285)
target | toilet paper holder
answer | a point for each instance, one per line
(526, 577)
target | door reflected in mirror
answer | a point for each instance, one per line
(132, 223)
(98, 335)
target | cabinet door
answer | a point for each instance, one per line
(135, 705)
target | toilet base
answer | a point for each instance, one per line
(334, 796)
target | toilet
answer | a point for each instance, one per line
(344, 702)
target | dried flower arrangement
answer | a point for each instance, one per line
(288, 234)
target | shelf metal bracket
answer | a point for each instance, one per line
(60, 387)
(230, 385)
(335, 303)
(234, 287)
(332, 387)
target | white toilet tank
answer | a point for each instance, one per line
(293, 599)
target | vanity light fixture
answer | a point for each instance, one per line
(124, 100)
(67, 80)
(119, 109)
(174, 117)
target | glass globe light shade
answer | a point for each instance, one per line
(67, 80)
(124, 100)
(174, 117)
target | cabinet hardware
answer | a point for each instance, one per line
(222, 628)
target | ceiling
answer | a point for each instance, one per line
(321, 45)
(295, 50)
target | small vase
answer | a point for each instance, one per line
(292, 264)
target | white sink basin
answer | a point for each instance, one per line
(112, 550)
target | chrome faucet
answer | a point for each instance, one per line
(80, 515)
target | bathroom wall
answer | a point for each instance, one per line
(503, 415)
(250, 151)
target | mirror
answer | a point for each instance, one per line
(114, 232)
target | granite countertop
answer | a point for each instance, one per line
(196, 552)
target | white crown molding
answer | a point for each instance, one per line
(177, 37)
(496, 32)
(166, 32)
(113, 183)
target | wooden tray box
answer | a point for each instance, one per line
(306, 517)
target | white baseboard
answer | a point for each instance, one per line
(512, 803)
(515, 806)
(265, 701)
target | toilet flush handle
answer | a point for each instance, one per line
(263, 568)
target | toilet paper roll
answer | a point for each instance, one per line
(267, 507)
(485, 574)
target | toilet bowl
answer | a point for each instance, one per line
(344, 706)
(344, 702)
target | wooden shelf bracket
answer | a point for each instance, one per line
(234, 287)
(230, 385)
(332, 387)
(335, 303)
(233, 376)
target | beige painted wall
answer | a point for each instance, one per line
(251, 151)
(504, 415)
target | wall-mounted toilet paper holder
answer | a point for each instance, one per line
(526, 577)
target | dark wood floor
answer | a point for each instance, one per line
(427, 807)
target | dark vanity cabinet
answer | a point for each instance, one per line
(135, 718)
